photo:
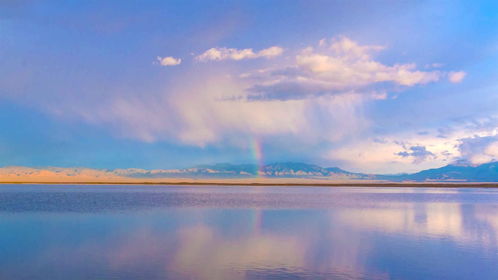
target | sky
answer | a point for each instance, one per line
(369, 86)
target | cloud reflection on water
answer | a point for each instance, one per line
(352, 238)
(461, 223)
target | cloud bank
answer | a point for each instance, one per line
(315, 100)
(316, 95)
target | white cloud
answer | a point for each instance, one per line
(271, 52)
(492, 149)
(395, 153)
(456, 77)
(336, 66)
(479, 149)
(169, 61)
(474, 141)
(345, 47)
(236, 54)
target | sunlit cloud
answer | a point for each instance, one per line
(169, 61)
(335, 66)
(470, 142)
(456, 77)
(238, 54)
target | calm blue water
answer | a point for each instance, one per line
(168, 232)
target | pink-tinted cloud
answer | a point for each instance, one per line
(169, 61)
(456, 77)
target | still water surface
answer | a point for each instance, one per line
(210, 232)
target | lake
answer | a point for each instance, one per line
(212, 232)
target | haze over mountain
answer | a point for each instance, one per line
(292, 170)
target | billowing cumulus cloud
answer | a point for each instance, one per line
(169, 61)
(337, 65)
(236, 54)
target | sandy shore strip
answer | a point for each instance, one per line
(248, 182)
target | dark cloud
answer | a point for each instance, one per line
(418, 153)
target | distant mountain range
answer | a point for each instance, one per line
(459, 173)
(227, 170)
(487, 172)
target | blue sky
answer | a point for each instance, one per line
(371, 86)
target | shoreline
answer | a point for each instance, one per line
(269, 184)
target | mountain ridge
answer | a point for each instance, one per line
(487, 172)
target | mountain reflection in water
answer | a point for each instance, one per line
(152, 232)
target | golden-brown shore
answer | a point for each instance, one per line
(23, 175)
(257, 182)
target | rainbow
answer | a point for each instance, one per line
(257, 152)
